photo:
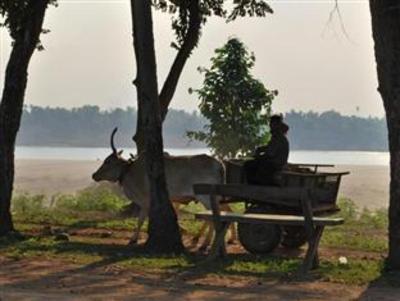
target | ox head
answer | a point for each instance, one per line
(113, 166)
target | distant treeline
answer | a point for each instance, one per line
(89, 126)
(333, 131)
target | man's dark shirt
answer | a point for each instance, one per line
(276, 151)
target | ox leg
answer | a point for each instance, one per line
(142, 216)
(233, 237)
(177, 207)
(207, 241)
(210, 228)
(199, 234)
(218, 249)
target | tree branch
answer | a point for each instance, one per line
(190, 42)
(336, 10)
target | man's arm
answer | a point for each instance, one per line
(260, 150)
(269, 150)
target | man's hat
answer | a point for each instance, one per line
(281, 126)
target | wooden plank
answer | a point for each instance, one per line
(286, 196)
(313, 236)
(218, 248)
(310, 165)
(308, 217)
(313, 166)
(313, 175)
(325, 209)
(216, 212)
(294, 220)
(311, 259)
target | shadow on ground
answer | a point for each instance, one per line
(123, 273)
(384, 288)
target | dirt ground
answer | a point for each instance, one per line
(62, 278)
(49, 279)
(59, 279)
(37, 280)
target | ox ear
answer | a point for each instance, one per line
(120, 152)
(133, 157)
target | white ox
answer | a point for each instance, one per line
(181, 173)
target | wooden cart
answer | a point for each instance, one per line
(263, 238)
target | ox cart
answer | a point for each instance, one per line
(292, 212)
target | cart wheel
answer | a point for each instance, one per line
(259, 238)
(294, 237)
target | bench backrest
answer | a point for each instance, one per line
(290, 196)
(286, 196)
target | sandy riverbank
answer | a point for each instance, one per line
(367, 185)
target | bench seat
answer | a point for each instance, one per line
(289, 220)
(294, 198)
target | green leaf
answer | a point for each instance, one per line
(236, 105)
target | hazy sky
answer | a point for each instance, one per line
(89, 57)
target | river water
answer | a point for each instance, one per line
(95, 153)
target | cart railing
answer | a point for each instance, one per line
(324, 185)
(307, 165)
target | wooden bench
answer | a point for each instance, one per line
(289, 196)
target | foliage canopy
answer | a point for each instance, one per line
(188, 20)
(184, 10)
(236, 105)
(15, 14)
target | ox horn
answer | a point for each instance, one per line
(112, 140)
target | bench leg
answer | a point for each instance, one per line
(311, 260)
(218, 248)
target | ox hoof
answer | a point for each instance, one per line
(132, 242)
(195, 240)
(203, 248)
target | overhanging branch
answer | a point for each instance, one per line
(190, 42)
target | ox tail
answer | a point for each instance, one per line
(222, 172)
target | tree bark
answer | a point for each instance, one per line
(163, 231)
(171, 82)
(385, 16)
(12, 101)
(139, 136)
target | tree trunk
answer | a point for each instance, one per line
(12, 101)
(163, 230)
(171, 82)
(385, 17)
(139, 136)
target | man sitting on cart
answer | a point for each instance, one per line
(270, 158)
